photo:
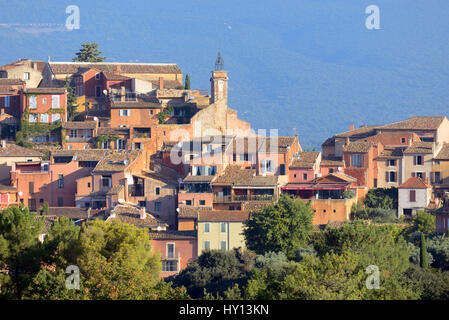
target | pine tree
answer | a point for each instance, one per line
(89, 53)
(423, 253)
(187, 82)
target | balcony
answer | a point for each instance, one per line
(142, 133)
(242, 198)
(136, 190)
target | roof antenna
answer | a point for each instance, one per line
(48, 59)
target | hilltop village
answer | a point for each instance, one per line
(130, 141)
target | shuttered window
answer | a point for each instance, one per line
(55, 102)
(412, 195)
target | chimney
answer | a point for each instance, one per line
(143, 213)
(351, 127)
(161, 83)
(122, 94)
(347, 141)
(117, 70)
(3, 142)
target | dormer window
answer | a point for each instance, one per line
(98, 76)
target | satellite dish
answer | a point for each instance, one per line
(95, 119)
(20, 193)
(105, 92)
(179, 180)
(339, 168)
(159, 228)
(177, 209)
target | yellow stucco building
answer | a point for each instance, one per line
(221, 230)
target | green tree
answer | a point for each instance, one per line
(19, 249)
(331, 277)
(423, 252)
(385, 198)
(116, 261)
(214, 271)
(71, 100)
(284, 226)
(187, 82)
(89, 53)
(423, 222)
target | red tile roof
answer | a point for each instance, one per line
(415, 183)
(223, 216)
(151, 68)
(417, 123)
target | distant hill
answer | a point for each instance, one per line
(309, 65)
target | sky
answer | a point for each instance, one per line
(306, 67)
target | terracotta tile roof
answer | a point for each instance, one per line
(99, 113)
(332, 162)
(393, 138)
(115, 190)
(168, 84)
(420, 147)
(173, 235)
(79, 125)
(117, 161)
(9, 82)
(359, 146)
(149, 68)
(82, 155)
(112, 131)
(191, 178)
(391, 153)
(236, 176)
(362, 131)
(4, 187)
(284, 143)
(74, 213)
(251, 206)
(417, 123)
(191, 212)
(111, 76)
(46, 90)
(13, 150)
(444, 153)
(163, 177)
(305, 159)
(140, 103)
(223, 215)
(415, 183)
(132, 215)
(7, 90)
(39, 64)
(343, 176)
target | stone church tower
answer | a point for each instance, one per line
(219, 82)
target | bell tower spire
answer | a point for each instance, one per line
(219, 82)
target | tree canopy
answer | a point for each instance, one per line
(281, 227)
(89, 53)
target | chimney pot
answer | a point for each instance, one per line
(117, 70)
(143, 213)
(3, 142)
(161, 83)
(351, 127)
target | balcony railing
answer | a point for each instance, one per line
(241, 198)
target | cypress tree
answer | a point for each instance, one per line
(423, 253)
(187, 82)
